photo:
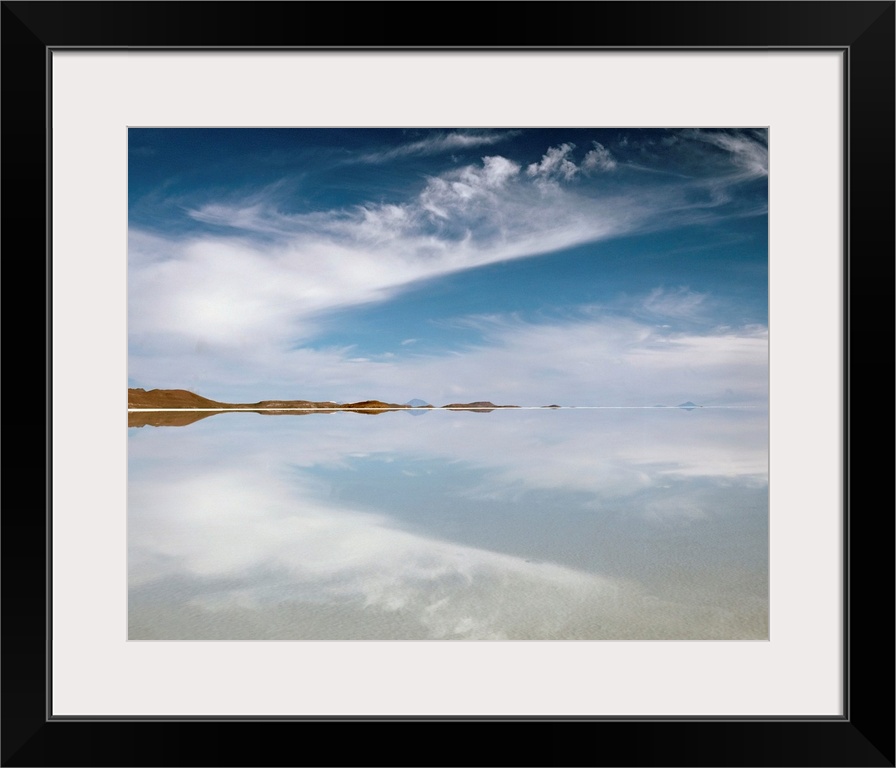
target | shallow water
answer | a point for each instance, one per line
(641, 524)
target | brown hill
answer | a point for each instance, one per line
(479, 405)
(370, 405)
(277, 404)
(172, 399)
(365, 406)
(169, 398)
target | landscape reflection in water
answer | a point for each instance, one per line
(635, 524)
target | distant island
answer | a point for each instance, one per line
(181, 399)
(173, 399)
(180, 407)
(479, 405)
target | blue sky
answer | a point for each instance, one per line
(527, 266)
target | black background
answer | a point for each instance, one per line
(864, 737)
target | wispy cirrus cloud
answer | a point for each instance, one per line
(243, 296)
(678, 304)
(436, 143)
(597, 357)
(269, 273)
(748, 152)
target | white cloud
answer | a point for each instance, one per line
(555, 164)
(599, 159)
(748, 153)
(597, 358)
(264, 285)
(604, 361)
(235, 306)
(448, 196)
(680, 304)
(440, 142)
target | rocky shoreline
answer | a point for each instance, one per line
(181, 399)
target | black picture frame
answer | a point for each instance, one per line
(863, 736)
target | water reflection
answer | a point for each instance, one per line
(550, 524)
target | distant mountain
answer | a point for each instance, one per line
(369, 406)
(479, 405)
(168, 399)
(176, 399)
(173, 399)
(688, 406)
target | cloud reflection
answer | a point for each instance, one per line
(301, 527)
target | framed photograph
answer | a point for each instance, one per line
(560, 303)
(542, 357)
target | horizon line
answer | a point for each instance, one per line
(463, 408)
